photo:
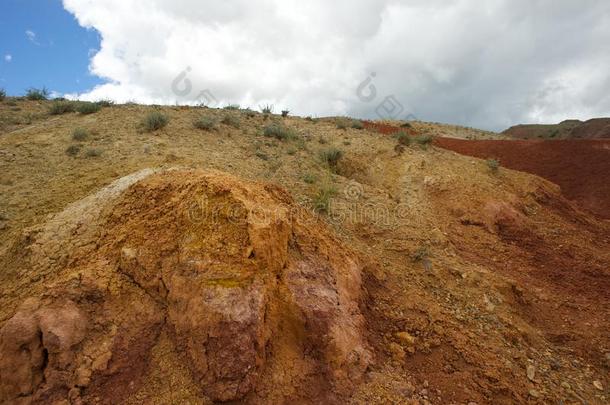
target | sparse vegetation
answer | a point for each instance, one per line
(278, 131)
(72, 150)
(424, 140)
(494, 165)
(422, 253)
(403, 138)
(205, 123)
(357, 124)
(285, 113)
(80, 135)
(331, 157)
(62, 107)
(267, 109)
(322, 200)
(154, 121)
(262, 155)
(37, 94)
(85, 107)
(250, 113)
(342, 124)
(231, 120)
(105, 103)
(2, 94)
(93, 153)
(232, 107)
(309, 178)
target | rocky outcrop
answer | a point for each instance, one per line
(252, 290)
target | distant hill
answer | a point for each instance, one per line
(569, 129)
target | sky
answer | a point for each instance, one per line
(486, 64)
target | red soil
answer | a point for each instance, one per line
(580, 167)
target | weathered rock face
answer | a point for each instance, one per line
(253, 291)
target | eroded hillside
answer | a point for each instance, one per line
(388, 273)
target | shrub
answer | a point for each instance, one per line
(262, 155)
(342, 124)
(80, 135)
(403, 138)
(279, 131)
(267, 109)
(205, 123)
(105, 103)
(61, 107)
(232, 107)
(406, 125)
(321, 201)
(422, 253)
(309, 178)
(250, 113)
(88, 108)
(331, 157)
(357, 124)
(494, 165)
(231, 120)
(93, 153)
(285, 113)
(37, 94)
(2, 94)
(72, 150)
(154, 121)
(424, 140)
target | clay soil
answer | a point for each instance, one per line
(579, 167)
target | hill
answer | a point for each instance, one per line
(191, 255)
(571, 129)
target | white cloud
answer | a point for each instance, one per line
(8, 58)
(31, 35)
(487, 64)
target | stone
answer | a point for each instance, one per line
(598, 385)
(405, 338)
(531, 372)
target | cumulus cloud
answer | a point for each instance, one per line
(487, 64)
(8, 58)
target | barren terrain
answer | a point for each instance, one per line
(190, 266)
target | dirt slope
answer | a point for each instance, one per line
(581, 168)
(454, 284)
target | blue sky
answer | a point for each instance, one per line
(41, 44)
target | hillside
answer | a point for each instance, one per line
(261, 259)
(571, 129)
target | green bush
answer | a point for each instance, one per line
(331, 157)
(37, 94)
(342, 124)
(231, 120)
(357, 124)
(206, 123)
(422, 253)
(403, 138)
(2, 94)
(322, 200)
(62, 107)
(279, 131)
(309, 178)
(80, 135)
(72, 150)
(267, 109)
(88, 108)
(105, 103)
(232, 107)
(154, 121)
(93, 153)
(424, 140)
(285, 113)
(494, 165)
